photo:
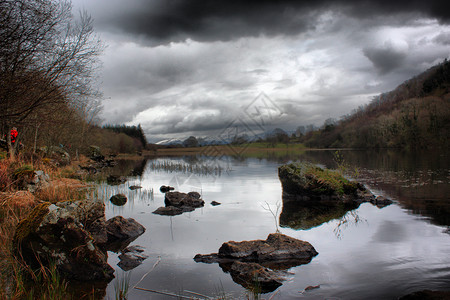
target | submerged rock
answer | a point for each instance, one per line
(131, 257)
(259, 261)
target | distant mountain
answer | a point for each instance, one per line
(170, 142)
(414, 115)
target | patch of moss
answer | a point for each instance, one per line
(23, 172)
(327, 181)
(31, 222)
(299, 177)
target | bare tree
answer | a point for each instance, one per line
(47, 58)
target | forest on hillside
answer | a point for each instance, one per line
(414, 115)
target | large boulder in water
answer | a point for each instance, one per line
(178, 199)
(57, 232)
(178, 203)
(118, 199)
(277, 249)
(308, 182)
(258, 262)
(119, 228)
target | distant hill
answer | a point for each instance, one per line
(414, 115)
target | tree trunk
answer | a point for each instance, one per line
(10, 146)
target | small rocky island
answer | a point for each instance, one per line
(308, 182)
(261, 262)
(313, 195)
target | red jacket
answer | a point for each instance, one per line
(14, 135)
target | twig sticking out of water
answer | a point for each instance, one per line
(345, 221)
(274, 214)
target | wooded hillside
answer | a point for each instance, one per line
(414, 115)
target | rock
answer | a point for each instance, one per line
(135, 187)
(178, 203)
(90, 169)
(115, 179)
(168, 211)
(29, 179)
(118, 199)
(119, 228)
(215, 203)
(179, 199)
(194, 195)
(258, 262)
(307, 182)
(253, 276)
(131, 257)
(277, 247)
(381, 201)
(59, 233)
(95, 153)
(61, 156)
(166, 188)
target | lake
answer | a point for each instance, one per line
(365, 253)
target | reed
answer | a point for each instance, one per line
(194, 168)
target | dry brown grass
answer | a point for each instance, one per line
(15, 205)
(62, 189)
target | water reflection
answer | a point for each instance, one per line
(306, 215)
(391, 253)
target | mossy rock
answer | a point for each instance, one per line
(119, 199)
(313, 181)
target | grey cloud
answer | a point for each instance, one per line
(385, 60)
(164, 21)
(443, 38)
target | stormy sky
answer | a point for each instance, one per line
(193, 67)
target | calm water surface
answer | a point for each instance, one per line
(366, 253)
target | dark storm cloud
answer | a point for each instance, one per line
(385, 60)
(207, 20)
